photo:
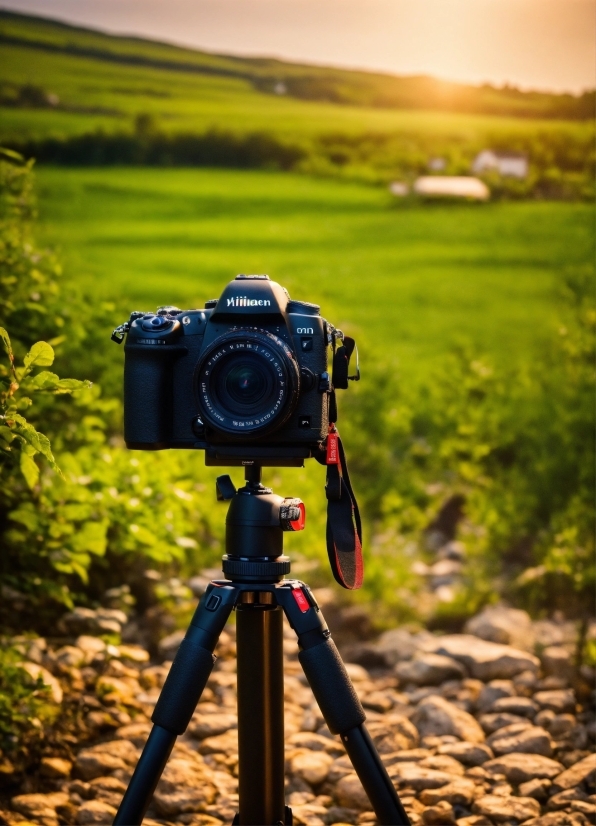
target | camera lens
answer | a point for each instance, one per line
(247, 383)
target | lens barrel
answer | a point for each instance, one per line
(247, 383)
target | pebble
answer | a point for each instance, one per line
(521, 738)
(483, 660)
(429, 669)
(55, 767)
(95, 811)
(469, 741)
(470, 754)
(505, 809)
(519, 768)
(437, 716)
(501, 624)
(582, 773)
(559, 701)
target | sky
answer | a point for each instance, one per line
(534, 44)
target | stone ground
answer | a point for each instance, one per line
(474, 729)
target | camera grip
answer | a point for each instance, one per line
(148, 396)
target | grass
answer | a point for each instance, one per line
(193, 102)
(409, 282)
(95, 92)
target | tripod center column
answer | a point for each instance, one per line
(260, 710)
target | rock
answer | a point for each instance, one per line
(474, 820)
(396, 645)
(311, 766)
(55, 767)
(561, 800)
(95, 811)
(560, 724)
(437, 716)
(525, 683)
(429, 669)
(520, 706)
(583, 773)
(519, 768)
(538, 789)
(558, 700)
(137, 733)
(556, 662)
(413, 776)
(505, 809)
(442, 813)
(483, 660)
(70, 656)
(559, 819)
(443, 763)
(357, 673)
(494, 691)
(379, 701)
(470, 754)
(86, 621)
(90, 646)
(459, 792)
(316, 742)
(134, 653)
(508, 626)
(38, 672)
(210, 725)
(493, 722)
(185, 786)
(349, 793)
(226, 743)
(105, 758)
(394, 733)
(168, 646)
(39, 806)
(521, 738)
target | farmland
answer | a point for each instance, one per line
(409, 282)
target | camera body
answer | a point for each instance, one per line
(246, 378)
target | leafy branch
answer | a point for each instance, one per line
(20, 442)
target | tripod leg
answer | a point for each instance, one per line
(181, 692)
(259, 636)
(338, 701)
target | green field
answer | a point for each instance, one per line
(409, 283)
(186, 102)
(191, 91)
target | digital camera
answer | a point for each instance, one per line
(246, 379)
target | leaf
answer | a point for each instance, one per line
(45, 380)
(50, 381)
(37, 440)
(70, 385)
(40, 355)
(91, 538)
(29, 469)
(6, 341)
(7, 434)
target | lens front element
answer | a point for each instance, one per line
(247, 382)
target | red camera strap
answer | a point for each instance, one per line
(344, 529)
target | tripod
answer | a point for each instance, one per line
(254, 565)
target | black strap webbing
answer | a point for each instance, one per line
(344, 529)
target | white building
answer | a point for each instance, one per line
(508, 164)
(451, 186)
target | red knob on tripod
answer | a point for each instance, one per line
(292, 515)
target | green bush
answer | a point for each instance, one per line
(26, 713)
(516, 448)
